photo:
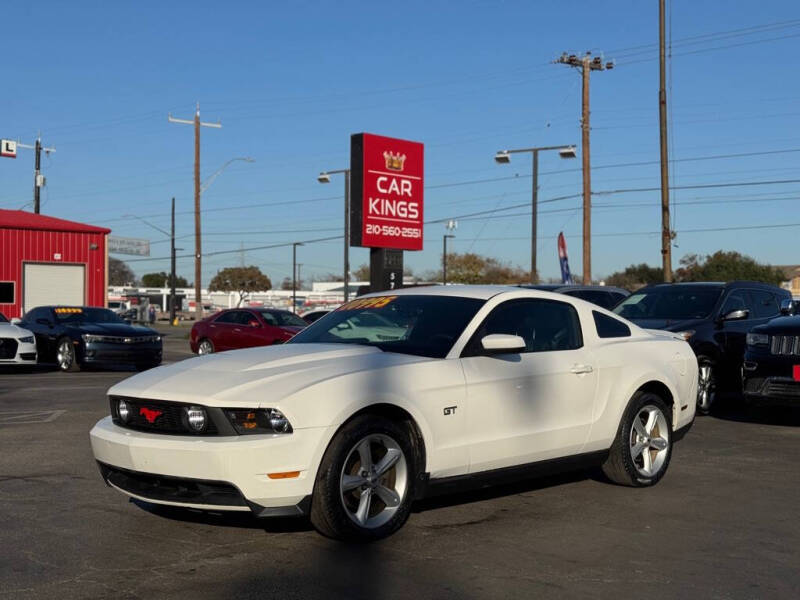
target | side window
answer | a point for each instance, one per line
(765, 304)
(269, 318)
(545, 325)
(609, 327)
(737, 300)
(227, 318)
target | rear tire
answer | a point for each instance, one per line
(706, 385)
(366, 481)
(206, 346)
(641, 452)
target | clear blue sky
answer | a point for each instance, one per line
(291, 81)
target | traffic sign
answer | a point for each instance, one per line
(8, 148)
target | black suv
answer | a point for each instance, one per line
(771, 373)
(714, 318)
(603, 295)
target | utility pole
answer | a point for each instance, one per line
(666, 233)
(586, 64)
(198, 247)
(38, 178)
(172, 268)
(450, 226)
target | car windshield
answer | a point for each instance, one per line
(71, 314)
(283, 318)
(672, 303)
(420, 325)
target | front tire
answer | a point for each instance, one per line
(365, 482)
(706, 385)
(66, 355)
(641, 452)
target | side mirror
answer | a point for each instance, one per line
(502, 343)
(16, 321)
(43, 321)
(737, 315)
(787, 307)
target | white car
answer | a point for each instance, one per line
(17, 345)
(486, 383)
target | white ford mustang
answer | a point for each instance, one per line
(356, 417)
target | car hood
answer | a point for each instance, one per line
(668, 324)
(292, 328)
(267, 373)
(112, 329)
(13, 331)
(780, 325)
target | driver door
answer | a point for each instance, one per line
(533, 405)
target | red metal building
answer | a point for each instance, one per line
(44, 260)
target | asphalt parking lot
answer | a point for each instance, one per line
(722, 523)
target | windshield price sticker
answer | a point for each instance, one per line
(68, 310)
(376, 302)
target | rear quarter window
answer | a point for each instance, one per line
(609, 327)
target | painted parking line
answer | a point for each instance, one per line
(26, 417)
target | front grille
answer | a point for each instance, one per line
(8, 347)
(28, 356)
(785, 345)
(114, 339)
(171, 420)
(752, 385)
(784, 389)
(173, 489)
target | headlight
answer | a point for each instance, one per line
(123, 411)
(196, 417)
(757, 339)
(686, 334)
(88, 338)
(258, 420)
(28, 339)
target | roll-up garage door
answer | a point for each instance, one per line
(53, 284)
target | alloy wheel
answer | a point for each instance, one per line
(205, 347)
(374, 480)
(65, 355)
(649, 440)
(706, 388)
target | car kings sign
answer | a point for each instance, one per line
(386, 179)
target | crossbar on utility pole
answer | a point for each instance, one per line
(38, 179)
(666, 232)
(198, 246)
(586, 64)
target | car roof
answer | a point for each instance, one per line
(714, 284)
(564, 287)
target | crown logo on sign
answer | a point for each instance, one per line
(394, 161)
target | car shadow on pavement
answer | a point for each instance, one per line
(739, 411)
(242, 520)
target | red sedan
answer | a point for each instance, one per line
(243, 328)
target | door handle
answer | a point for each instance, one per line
(581, 369)
(237, 329)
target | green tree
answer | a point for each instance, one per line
(242, 280)
(361, 273)
(119, 273)
(475, 269)
(726, 266)
(162, 279)
(636, 276)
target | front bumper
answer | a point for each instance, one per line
(772, 390)
(212, 472)
(25, 353)
(110, 353)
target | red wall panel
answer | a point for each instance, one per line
(18, 246)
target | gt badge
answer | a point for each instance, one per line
(450, 410)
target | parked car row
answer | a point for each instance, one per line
(74, 337)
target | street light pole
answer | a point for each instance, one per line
(504, 157)
(172, 269)
(444, 256)
(325, 177)
(294, 275)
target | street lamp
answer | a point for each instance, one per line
(325, 177)
(294, 275)
(504, 157)
(450, 226)
(219, 171)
